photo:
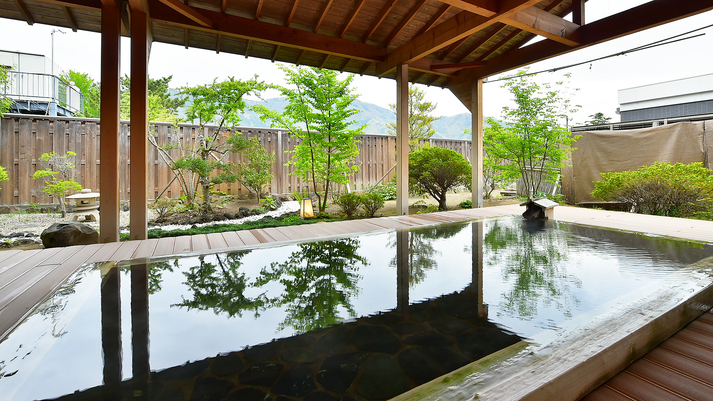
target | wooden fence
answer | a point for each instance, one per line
(24, 138)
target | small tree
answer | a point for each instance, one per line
(319, 114)
(531, 138)
(420, 120)
(5, 102)
(437, 170)
(58, 183)
(3, 174)
(89, 89)
(598, 119)
(256, 171)
(493, 176)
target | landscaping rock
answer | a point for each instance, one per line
(7, 209)
(66, 234)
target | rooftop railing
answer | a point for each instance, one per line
(43, 88)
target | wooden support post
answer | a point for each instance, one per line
(578, 12)
(111, 325)
(403, 278)
(476, 157)
(109, 147)
(402, 136)
(476, 283)
(140, 42)
(140, 366)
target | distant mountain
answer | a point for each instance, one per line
(374, 116)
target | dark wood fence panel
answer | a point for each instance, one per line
(23, 140)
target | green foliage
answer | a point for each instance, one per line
(436, 171)
(58, 183)
(420, 121)
(318, 115)
(678, 190)
(349, 202)
(531, 137)
(3, 174)
(5, 102)
(164, 207)
(429, 209)
(598, 119)
(466, 204)
(386, 191)
(371, 202)
(255, 172)
(269, 203)
(161, 106)
(90, 90)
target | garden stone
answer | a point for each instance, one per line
(243, 210)
(210, 388)
(382, 378)
(296, 382)
(22, 234)
(375, 339)
(229, 216)
(66, 234)
(339, 371)
(248, 394)
(7, 209)
(219, 217)
(183, 372)
(227, 365)
(261, 374)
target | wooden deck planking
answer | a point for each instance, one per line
(104, 252)
(165, 246)
(17, 258)
(145, 249)
(261, 235)
(6, 254)
(248, 237)
(216, 241)
(276, 234)
(293, 234)
(232, 239)
(182, 244)
(199, 243)
(125, 251)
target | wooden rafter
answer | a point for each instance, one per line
(217, 43)
(578, 12)
(485, 8)
(344, 66)
(351, 17)
(461, 25)
(377, 22)
(545, 24)
(274, 54)
(247, 48)
(299, 58)
(292, 13)
(433, 80)
(258, 10)
(363, 70)
(436, 17)
(89, 5)
(324, 62)
(24, 11)
(445, 53)
(324, 14)
(457, 66)
(485, 39)
(418, 77)
(188, 12)
(405, 21)
(70, 18)
(223, 5)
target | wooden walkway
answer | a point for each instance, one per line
(28, 277)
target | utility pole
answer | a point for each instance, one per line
(52, 109)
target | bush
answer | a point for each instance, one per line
(466, 204)
(372, 202)
(678, 190)
(164, 207)
(385, 191)
(349, 202)
(437, 170)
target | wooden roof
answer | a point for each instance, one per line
(447, 43)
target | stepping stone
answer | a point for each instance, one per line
(296, 382)
(409, 328)
(210, 388)
(261, 374)
(339, 371)
(375, 339)
(449, 325)
(382, 378)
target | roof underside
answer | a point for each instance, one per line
(446, 43)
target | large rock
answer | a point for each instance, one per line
(66, 234)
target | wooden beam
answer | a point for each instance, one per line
(185, 37)
(418, 77)
(22, 8)
(425, 65)
(451, 48)
(486, 8)
(299, 58)
(324, 14)
(402, 137)
(578, 12)
(217, 44)
(382, 15)
(545, 24)
(344, 66)
(188, 12)
(459, 66)
(476, 156)
(247, 48)
(363, 70)
(70, 18)
(223, 5)
(292, 13)
(274, 54)
(109, 121)
(434, 19)
(324, 62)
(258, 10)
(433, 80)
(405, 21)
(139, 147)
(460, 26)
(485, 39)
(89, 5)
(248, 28)
(351, 17)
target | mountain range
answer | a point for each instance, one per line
(374, 116)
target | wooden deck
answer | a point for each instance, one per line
(28, 277)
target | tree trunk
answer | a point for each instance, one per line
(205, 206)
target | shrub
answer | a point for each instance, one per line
(385, 191)
(164, 207)
(437, 170)
(466, 204)
(678, 190)
(58, 183)
(372, 202)
(269, 203)
(3, 174)
(429, 209)
(349, 202)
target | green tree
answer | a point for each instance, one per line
(220, 102)
(493, 175)
(435, 171)
(58, 183)
(5, 102)
(420, 120)
(89, 89)
(161, 105)
(598, 119)
(531, 139)
(256, 171)
(319, 114)
(3, 174)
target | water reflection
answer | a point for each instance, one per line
(319, 279)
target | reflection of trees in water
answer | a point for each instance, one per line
(221, 286)
(531, 257)
(421, 252)
(156, 270)
(318, 278)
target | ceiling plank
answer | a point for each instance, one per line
(545, 24)
(292, 13)
(436, 17)
(70, 18)
(258, 10)
(475, 46)
(415, 10)
(451, 48)
(91, 5)
(382, 15)
(324, 14)
(486, 8)
(351, 17)
(188, 12)
(461, 25)
(472, 64)
(24, 11)
(248, 28)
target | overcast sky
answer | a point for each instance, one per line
(598, 82)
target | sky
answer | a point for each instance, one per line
(598, 82)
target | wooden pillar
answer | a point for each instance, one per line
(140, 366)
(476, 284)
(111, 325)
(109, 122)
(578, 12)
(403, 278)
(476, 156)
(138, 185)
(402, 136)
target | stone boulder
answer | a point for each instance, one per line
(66, 234)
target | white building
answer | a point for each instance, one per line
(36, 88)
(678, 98)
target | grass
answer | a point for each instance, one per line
(219, 228)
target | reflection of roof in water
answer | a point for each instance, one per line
(374, 357)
